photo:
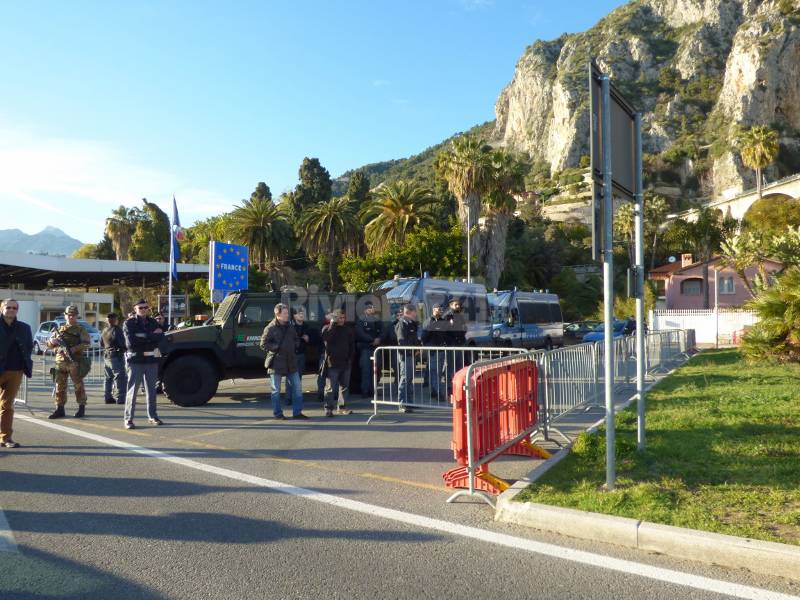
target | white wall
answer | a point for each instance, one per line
(29, 313)
(706, 323)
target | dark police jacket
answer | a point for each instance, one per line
(113, 341)
(457, 330)
(406, 332)
(367, 329)
(436, 334)
(24, 342)
(141, 340)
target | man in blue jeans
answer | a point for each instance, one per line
(279, 340)
(113, 344)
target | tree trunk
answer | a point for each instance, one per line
(705, 284)
(495, 244)
(758, 181)
(468, 212)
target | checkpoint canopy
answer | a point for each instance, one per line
(228, 265)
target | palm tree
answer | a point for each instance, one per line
(467, 167)
(399, 207)
(508, 176)
(330, 228)
(258, 224)
(119, 229)
(758, 147)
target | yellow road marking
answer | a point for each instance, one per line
(308, 464)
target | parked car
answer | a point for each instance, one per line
(621, 328)
(47, 328)
(574, 332)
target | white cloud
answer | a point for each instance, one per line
(74, 183)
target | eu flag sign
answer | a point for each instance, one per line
(227, 268)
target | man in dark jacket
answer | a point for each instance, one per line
(369, 331)
(435, 335)
(142, 336)
(280, 340)
(303, 335)
(16, 346)
(406, 332)
(456, 337)
(113, 344)
(340, 350)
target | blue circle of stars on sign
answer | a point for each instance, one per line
(231, 280)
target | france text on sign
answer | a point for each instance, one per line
(228, 265)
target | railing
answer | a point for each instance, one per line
(96, 375)
(410, 377)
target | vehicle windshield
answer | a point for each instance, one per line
(402, 294)
(224, 310)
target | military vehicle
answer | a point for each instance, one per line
(196, 359)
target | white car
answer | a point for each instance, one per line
(47, 328)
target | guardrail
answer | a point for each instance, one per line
(96, 375)
(410, 377)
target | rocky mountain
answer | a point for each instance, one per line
(697, 69)
(50, 240)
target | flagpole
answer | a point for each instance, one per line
(171, 268)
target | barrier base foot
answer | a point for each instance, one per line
(476, 494)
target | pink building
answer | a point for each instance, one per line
(680, 284)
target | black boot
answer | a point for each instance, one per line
(58, 413)
(81, 411)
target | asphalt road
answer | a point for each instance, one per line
(224, 502)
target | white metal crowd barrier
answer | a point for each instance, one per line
(96, 375)
(411, 377)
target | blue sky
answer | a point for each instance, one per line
(103, 104)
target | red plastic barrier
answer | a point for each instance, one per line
(503, 400)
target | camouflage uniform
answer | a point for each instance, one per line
(74, 337)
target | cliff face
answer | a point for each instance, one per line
(695, 68)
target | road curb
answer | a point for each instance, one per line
(769, 558)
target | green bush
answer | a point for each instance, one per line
(776, 337)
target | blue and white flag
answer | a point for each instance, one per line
(177, 236)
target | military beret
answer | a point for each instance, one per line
(71, 310)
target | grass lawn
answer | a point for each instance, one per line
(723, 454)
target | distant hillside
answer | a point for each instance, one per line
(418, 167)
(49, 240)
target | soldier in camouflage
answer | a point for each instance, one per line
(69, 341)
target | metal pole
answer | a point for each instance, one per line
(608, 284)
(469, 250)
(171, 263)
(716, 309)
(640, 402)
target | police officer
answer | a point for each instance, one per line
(456, 338)
(113, 344)
(142, 336)
(369, 331)
(69, 341)
(406, 332)
(435, 335)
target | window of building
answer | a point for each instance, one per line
(691, 287)
(726, 285)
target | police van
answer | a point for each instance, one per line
(526, 319)
(426, 292)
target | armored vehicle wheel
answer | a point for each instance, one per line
(190, 381)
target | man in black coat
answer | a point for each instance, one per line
(279, 339)
(456, 338)
(369, 331)
(340, 349)
(435, 335)
(142, 336)
(406, 331)
(16, 346)
(113, 344)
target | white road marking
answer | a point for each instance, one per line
(578, 556)
(7, 542)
